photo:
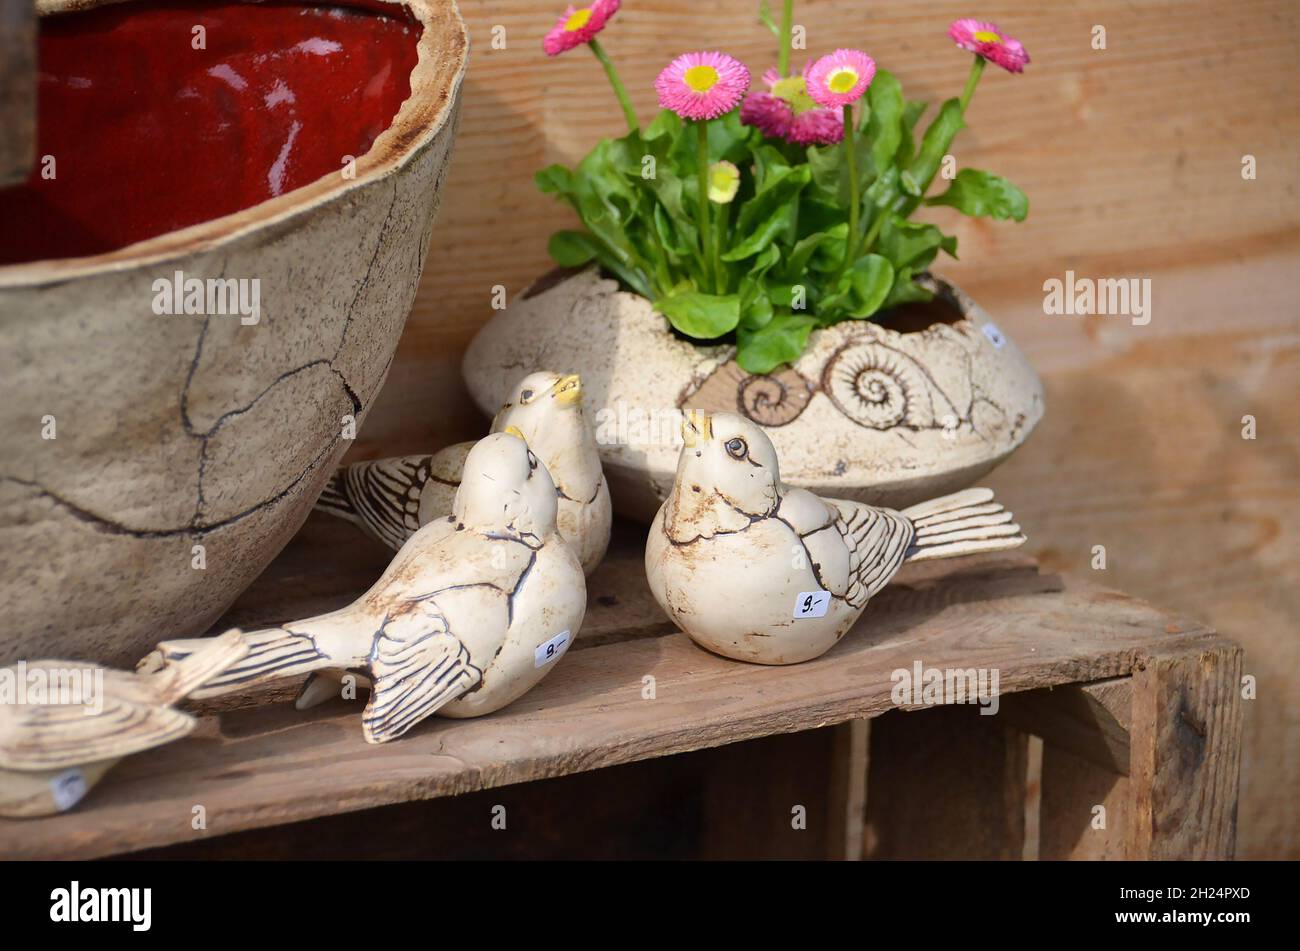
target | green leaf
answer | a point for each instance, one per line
(884, 124)
(938, 137)
(555, 180)
(779, 341)
(571, 248)
(768, 164)
(758, 314)
(912, 242)
(829, 254)
(830, 174)
(666, 124)
(906, 289)
(765, 17)
(913, 111)
(760, 238)
(751, 285)
(798, 259)
(778, 191)
(702, 316)
(872, 277)
(984, 195)
(860, 290)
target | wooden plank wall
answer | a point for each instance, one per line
(1132, 159)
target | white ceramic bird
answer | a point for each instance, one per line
(758, 571)
(472, 612)
(391, 498)
(64, 724)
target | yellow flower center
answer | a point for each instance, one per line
(984, 36)
(578, 19)
(700, 78)
(842, 80)
(793, 90)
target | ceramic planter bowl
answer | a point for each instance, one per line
(189, 447)
(919, 404)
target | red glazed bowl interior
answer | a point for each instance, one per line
(154, 116)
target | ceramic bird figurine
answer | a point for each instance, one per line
(67, 723)
(391, 498)
(472, 612)
(758, 571)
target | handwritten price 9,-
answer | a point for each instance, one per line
(811, 604)
(551, 650)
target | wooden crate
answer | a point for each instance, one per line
(1138, 711)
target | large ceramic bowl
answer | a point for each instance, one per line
(187, 449)
(893, 411)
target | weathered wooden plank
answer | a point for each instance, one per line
(1070, 826)
(270, 765)
(1085, 765)
(772, 798)
(1090, 720)
(848, 790)
(1186, 735)
(946, 783)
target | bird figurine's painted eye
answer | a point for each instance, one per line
(532, 461)
(525, 396)
(736, 448)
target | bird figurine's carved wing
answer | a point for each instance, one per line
(382, 496)
(417, 665)
(877, 542)
(62, 735)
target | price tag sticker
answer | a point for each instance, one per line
(811, 604)
(551, 650)
(68, 788)
(995, 335)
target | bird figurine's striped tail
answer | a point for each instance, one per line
(269, 655)
(334, 499)
(963, 523)
(214, 655)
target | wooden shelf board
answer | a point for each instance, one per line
(266, 765)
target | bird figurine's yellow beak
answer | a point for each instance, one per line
(697, 428)
(514, 431)
(569, 390)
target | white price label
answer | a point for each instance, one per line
(68, 788)
(811, 604)
(551, 650)
(995, 335)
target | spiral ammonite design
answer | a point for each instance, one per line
(772, 400)
(878, 387)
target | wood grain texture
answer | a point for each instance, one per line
(1132, 159)
(1186, 753)
(1072, 788)
(1090, 720)
(946, 784)
(263, 766)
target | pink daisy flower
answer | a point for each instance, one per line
(990, 42)
(702, 85)
(578, 25)
(839, 78)
(786, 111)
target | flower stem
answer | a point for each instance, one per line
(787, 24)
(972, 80)
(628, 112)
(702, 208)
(855, 199)
(720, 236)
(874, 231)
